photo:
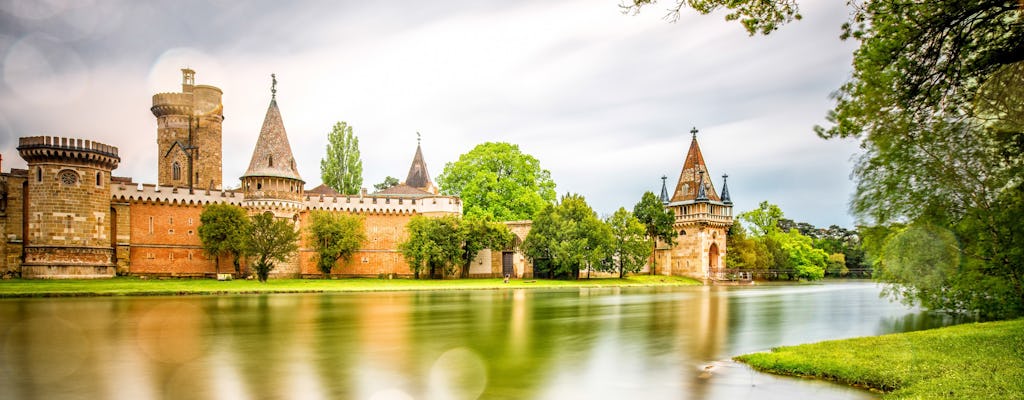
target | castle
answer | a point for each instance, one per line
(67, 216)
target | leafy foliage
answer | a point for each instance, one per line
(479, 233)
(335, 237)
(223, 229)
(497, 180)
(566, 237)
(657, 220)
(342, 169)
(764, 220)
(270, 239)
(629, 248)
(757, 16)
(389, 182)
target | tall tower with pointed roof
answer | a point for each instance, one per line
(702, 221)
(272, 176)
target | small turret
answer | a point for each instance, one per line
(272, 173)
(725, 190)
(664, 191)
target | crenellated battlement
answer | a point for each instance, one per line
(43, 148)
(385, 204)
(171, 195)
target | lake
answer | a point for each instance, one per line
(589, 343)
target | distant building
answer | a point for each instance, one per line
(66, 216)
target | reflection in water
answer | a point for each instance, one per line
(584, 343)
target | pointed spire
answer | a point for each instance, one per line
(273, 154)
(725, 189)
(701, 193)
(689, 183)
(418, 176)
(664, 191)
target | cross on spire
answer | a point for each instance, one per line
(694, 132)
(273, 86)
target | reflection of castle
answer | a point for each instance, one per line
(702, 220)
(66, 216)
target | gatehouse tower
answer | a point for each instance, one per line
(189, 136)
(702, 221)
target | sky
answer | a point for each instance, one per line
(604, 100)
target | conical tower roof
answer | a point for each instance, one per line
(418, 176)
(687, 188)
(273, 154)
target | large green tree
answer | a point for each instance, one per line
(342, 169)
(658, 223)
(629, 248)
(335, 237)
(763, 220)
(499, 181)
(270, 239)
(222, 230)
(567, 237)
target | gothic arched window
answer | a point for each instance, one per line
(176, 171)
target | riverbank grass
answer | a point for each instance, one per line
(971, 361)
(141, 287)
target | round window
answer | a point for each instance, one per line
(68, 177)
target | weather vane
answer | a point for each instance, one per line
(417, 138)
(273, 86)
(694, 132)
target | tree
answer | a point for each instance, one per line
(743, 252)
(335, 237)
(342, 169)
(804, 260)
(480, 233)
(497, 180)
(433, 243)
(764, 220)
(270, 239)
(629, 246)
(756, 16)
(389, 182)
(566, 237)
(222, 229)
(658, 223)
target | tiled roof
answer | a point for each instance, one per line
(324, 190)
(418, 176)
(273, 153)
(404, 190)
(687, 188)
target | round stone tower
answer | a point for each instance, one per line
(69, 220)
(189, 135)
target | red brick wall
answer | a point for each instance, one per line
(172, 247)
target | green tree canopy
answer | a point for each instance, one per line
(342, 169)
(335, 237)
(629, 248)
(222, 229)
(497, 180)
(389, 181)
(479, 233)
(658, 222)
(566, 237)
(764, 220)
(434, 244)
(757, 16)
(270, 239)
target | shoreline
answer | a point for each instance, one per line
(20, 288)
(972, 360)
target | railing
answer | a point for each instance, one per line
(737, 274)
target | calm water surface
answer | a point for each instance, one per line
(649, 343)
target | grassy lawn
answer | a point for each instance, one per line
(972, 361)
(136, 286)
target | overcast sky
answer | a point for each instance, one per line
(604, 100)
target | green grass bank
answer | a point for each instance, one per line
(156, 287)
(971, 361)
